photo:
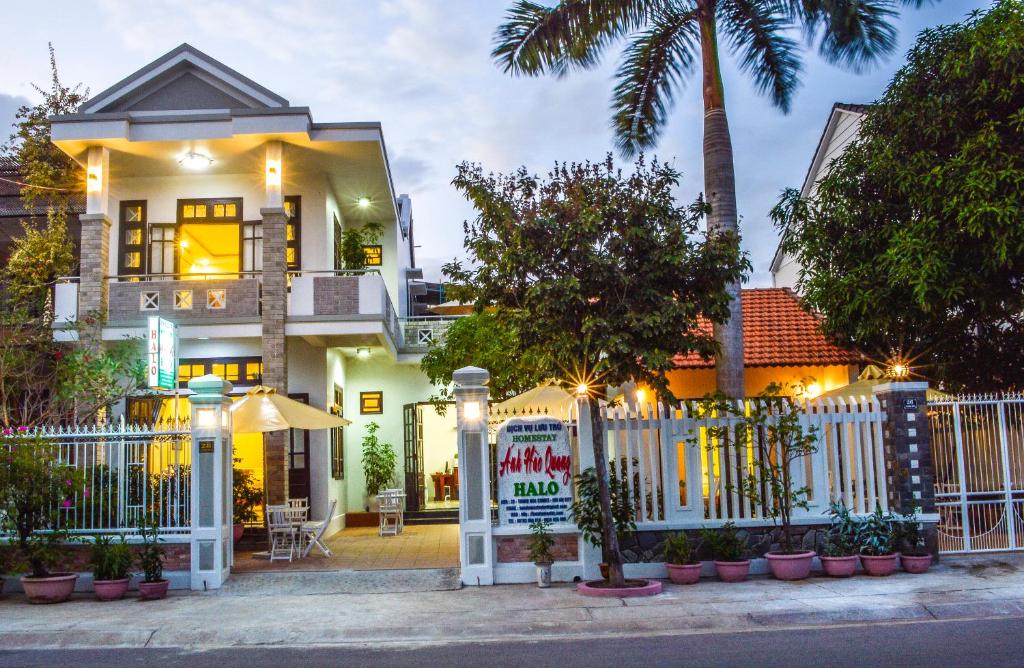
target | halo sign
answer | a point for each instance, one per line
(534, 471)
(161, 354)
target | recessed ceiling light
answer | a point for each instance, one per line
(193, 160)
(362, 353)
(363, 202)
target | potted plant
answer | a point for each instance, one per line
(729, 552)
(914, 557)
(151, 560)
(110, 563)
(876, 544)
(541, 543)
(379, 460)
(770, 426)
(40, 492)
(839, 554)
(586, 510)
(683, 568)
(247, 497)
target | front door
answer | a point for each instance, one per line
(298, 458)
(414, 489)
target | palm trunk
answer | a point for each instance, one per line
(720, 192)
(609, 537)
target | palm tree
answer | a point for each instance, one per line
(665, 39)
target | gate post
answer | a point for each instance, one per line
(910, 475)
(476, 546)
(212, 551)
(590, 556)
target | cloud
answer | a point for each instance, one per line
(8, 108)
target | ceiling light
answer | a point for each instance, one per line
(362, 353)
(193, 160)
(363, 202)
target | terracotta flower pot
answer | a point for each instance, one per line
(238, 530)
(110, 590)
(732, 571)
(53, 589)
(839, 567)
(684, 574)
(152, 591)
(916, 563)
(879, 566)
(795, 566)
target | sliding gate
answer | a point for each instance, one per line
(978, 458)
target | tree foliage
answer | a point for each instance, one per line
(914, 243)
(484, 340)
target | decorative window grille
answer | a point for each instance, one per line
(424, 336)
(183, 300)
(216, 299)
(149, 301)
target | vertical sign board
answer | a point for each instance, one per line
(162, 353)
(534, 471)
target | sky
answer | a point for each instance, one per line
(423, 69)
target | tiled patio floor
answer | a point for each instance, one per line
(418, 546)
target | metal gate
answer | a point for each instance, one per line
(978, 458)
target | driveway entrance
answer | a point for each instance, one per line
(360, 548)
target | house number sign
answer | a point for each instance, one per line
(534, 471)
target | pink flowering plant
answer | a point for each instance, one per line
(37, 491)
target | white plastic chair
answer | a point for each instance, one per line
(282, 532)
(313, 531)
(391, 520)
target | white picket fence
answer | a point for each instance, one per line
(681, 469)
(131, 472)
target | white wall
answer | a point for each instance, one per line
(337, 489)
(306, 365)
(402, 384)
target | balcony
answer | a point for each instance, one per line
(196, 300)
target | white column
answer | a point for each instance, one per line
(273, 176)
(212, 548)
(97, 181)
(476, 545)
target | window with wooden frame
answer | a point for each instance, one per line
(339, 256)
(337, 437)
(239, 370)
(293, 232)
(373, 255)
(210, 210)
(131, 252)
(371, 403)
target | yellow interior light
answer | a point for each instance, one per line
(273, 172)
(94, 179)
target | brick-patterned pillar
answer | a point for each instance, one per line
(93, 290)
(910, 476)
(275, 363)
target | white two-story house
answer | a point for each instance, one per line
(215, 203)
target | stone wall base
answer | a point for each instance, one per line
(516, 549)
(177, 557)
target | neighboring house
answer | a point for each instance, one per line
(842, 128)
(215, 203)
(13, 211)
(782, 343)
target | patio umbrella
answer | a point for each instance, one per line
(263, 409)
(451, 308)
(865, 386)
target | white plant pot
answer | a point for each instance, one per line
(543, 575)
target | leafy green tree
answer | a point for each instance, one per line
(913, 244)
(353, 240)
(666, 40)
(603, 275)
(483, 340)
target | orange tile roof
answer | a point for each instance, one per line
(777, 331)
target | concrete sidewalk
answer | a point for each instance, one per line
(975, 587)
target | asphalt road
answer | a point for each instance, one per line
(988, 642)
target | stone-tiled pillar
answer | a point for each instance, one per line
(93, 290)
(275, 363)
(910, 476)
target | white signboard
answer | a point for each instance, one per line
(534, 471)
(162, 354)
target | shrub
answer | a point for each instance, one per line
(151, 555)
(907, 535)
(841, 539)
(110, 560)
(247, 494)
(725, 542)
(679, 550)
(379, 461)
(875, 534)
(586, 508)
(541, 543)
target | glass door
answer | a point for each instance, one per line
(163, 250)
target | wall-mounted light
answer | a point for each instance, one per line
(640, 396)
(273, 173)
(193, 160)
(582, 390)
(94, 179)
(363, 202)
(206, 417)
(363, 353)
(471, 411)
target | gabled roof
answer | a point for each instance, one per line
(818, 158)
(183, 79)
(777, 331)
